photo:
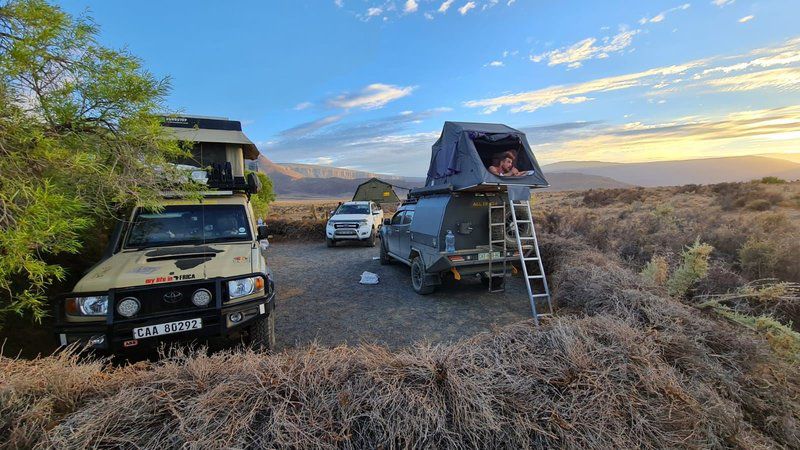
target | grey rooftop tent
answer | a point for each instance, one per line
(462, 155)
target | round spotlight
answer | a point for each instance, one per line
(128, 307)
(236, 317)
(201, 297)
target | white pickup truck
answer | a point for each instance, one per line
(354, 221)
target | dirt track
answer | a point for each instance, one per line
(319, 298)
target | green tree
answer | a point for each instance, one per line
(79, 141)
(264, 197)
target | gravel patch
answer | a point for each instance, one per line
(319, 299)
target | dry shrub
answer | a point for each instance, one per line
(738, 195)
(595, 198)
(769, 297)
(657, 270)
(635, 369)
(282, 229)
(720, 279)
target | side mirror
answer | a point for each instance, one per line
(263, 231)
(376, 212)
(387, 221)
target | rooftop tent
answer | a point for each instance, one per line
(377, 191)
(464, 151)
(216, 141)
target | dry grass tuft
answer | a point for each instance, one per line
(633, 369)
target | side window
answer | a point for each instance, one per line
(398, 217)
(408, 217)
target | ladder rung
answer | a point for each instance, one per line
(540, 295)
(527, 238)
(545, 315)
(497, 224)
(538, 277)
(530, 259)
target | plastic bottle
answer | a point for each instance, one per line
(450, 242)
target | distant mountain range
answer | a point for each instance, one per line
(292, 180)
(316, 171)
(691, 171)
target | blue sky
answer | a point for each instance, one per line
(367, 84)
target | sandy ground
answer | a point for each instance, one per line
(319, 298)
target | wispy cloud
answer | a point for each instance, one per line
(383, 145)
(302, 106)
(663, 14)
(574, 55)
(374, 96)
(310, 127)
(410, 6)
(465, 9)
(746, 19)
(710, 74)
(576, 93)
(494, 64)
(445, 6)
(339, 3)
(722, 3)
(786, 79)
(740, 132)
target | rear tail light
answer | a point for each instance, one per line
(456, 258)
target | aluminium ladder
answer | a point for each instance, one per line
(524, 207)
(520, 237)
(493, 240)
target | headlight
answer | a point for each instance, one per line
(128, 307)
(245, 286)
(364, 221)
(87, 306)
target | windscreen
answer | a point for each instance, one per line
(189, 225)
(353, 209)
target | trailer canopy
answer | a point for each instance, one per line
(377, 191)
(462, 155)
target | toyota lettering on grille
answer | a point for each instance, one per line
(172, 297)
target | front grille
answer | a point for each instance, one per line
(346, 225)
(168, 298)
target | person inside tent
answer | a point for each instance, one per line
(503, 164)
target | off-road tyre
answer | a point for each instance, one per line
(385, 258)
(262, 333)
(418, 277)
(370, 242)
(330, 242)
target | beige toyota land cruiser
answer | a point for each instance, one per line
(195, 268)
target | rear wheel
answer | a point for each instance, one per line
(493, 283)
(418, 277)
(330, 242)
(262, 333)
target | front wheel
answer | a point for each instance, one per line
(262, 333)
(385, 258)
(330, 242)
(418, 278)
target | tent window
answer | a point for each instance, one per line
(205, 154)
(490, 150)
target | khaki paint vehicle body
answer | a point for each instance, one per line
(176, 274)
(194, 268)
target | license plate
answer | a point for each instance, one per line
(485, 256)
(167, 328)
